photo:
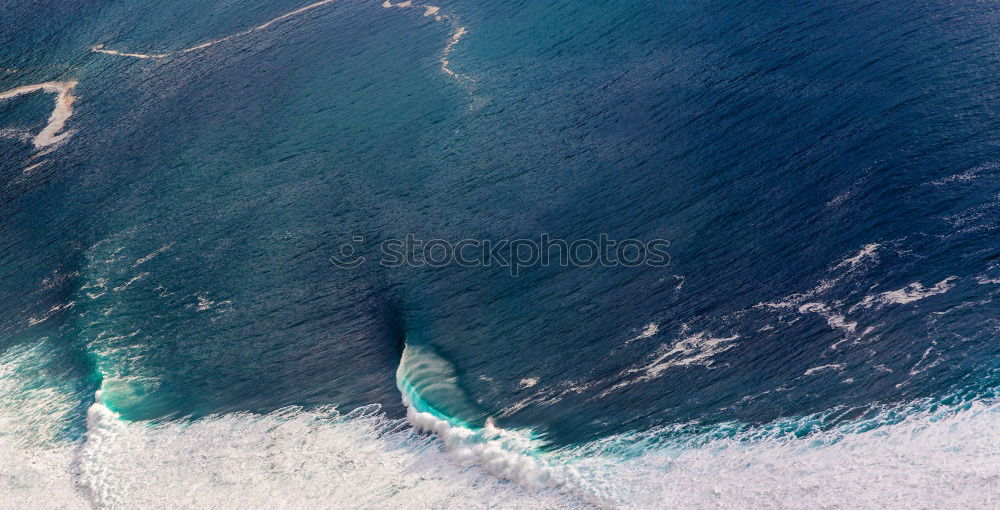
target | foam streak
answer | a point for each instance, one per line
(429, 11)
(456, 35)
(52, 133)
(99, 48)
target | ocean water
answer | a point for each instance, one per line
(176, 177)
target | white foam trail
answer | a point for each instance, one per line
(52, 133)
(809, 301)
(833, 319)
(33, 321)
(912, 292)
(866, 252)
(103, 427)
(649, 331)
(697, 349)
(833, 366)
(985, 280)
(142, 260)
(689, 350)
(99, 48)
(429, 10)
(456, 35)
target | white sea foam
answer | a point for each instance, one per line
(549, 395)
(966, 176)
(697, 349)
(691, 349)
(35, 403)
(287, 459)
(506, 454)
(457, 33)
(649, 331)
(985, 280)
(142, 260)
(52, 133)
(816, 300)
(833, 319)
(16, 134)
(56, 279)
(321, 459)
(867, 253)
(842, 270)
(32, 321)
(834, 366)
(99, 48)
(429, 11)
(129, 283)
(456, 36)
(38, 477)
(912, 292)
(925, 461)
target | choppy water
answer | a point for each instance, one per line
(177, 175)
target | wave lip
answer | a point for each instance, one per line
(508, 454)
(936, 453)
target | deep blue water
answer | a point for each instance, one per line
(827, 174)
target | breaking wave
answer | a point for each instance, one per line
(936, 453)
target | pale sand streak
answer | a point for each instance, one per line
(50, 135)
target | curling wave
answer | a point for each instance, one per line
(939, 454)
(510, 455)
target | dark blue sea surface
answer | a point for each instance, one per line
(827, 175)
